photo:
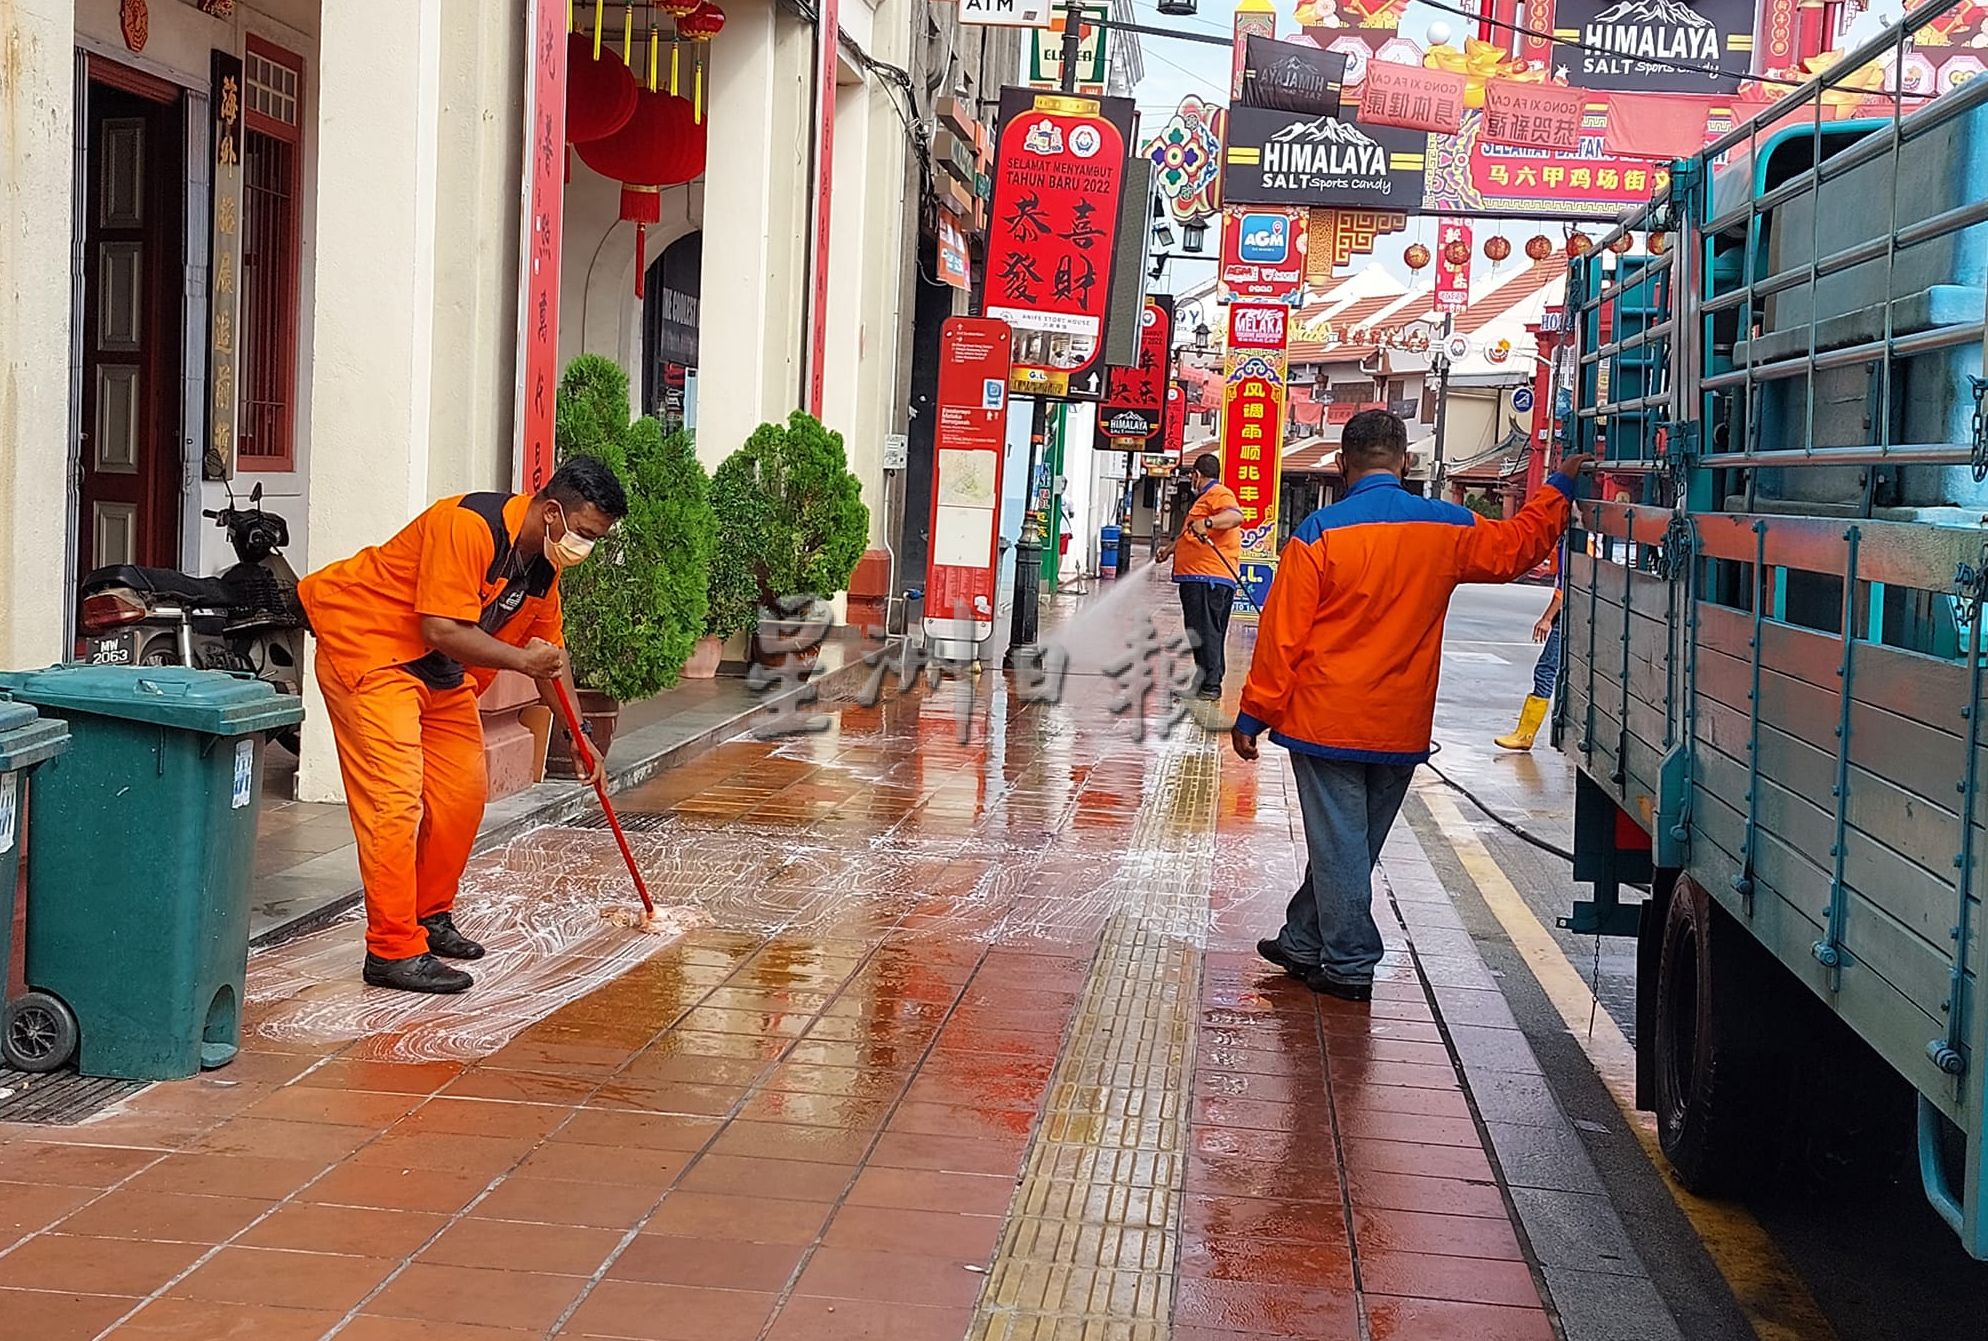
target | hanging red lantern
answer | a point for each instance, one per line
(680, 9)
(1497, 247)
(1579, 244)
(1457, 252)
(1659, 243)
(1622, 244)
(1417, 256)
(600, 94)
(703, 23)
(661, 145)
(1539, 246)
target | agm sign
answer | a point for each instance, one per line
(1654, 46)
(1286, 158)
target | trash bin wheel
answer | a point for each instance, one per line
(40, 1034)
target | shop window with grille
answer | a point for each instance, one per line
(271, 219)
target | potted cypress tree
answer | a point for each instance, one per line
(635, 610)
(792, 527)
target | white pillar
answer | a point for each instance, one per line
(374, 330)
(759, 104)
(37, 134)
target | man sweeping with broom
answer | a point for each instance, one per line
(409, 633)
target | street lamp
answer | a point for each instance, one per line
(1183, 9)
(1162, 230)
(1194, 235)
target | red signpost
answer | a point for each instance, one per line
(967, 448)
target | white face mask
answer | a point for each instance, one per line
(570, 548)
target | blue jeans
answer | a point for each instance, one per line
(1348, 809)
(1547, 669)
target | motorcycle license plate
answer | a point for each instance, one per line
(117, 649)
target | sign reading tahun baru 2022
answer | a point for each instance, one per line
(1059, 165)
(1287, 158)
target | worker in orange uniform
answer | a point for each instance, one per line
(1344, 676)
(409, 633)
(1206, 557)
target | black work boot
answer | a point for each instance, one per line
(446, 941)
(1345, 991)
(1274, 951)
(418, 973)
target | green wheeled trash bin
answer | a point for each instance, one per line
(139, 862)
(27, 740)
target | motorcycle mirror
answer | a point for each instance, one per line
(255, 496)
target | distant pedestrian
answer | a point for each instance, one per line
(1207, 558)
(1347, 659)
(1546, 670)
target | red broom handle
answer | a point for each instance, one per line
(584, 749)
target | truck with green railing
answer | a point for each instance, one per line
(1773, 685)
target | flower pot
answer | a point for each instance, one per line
(599, 712)
(704, 659)
(794, 642)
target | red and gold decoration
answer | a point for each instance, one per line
(1497, 247)
(1539, 246)
(1452, 287)
(135, 20)
(1659, 243)
(1417, 256)
(1622, 243)
(661, 145)
(1579, 244)
(600, 91)
(1457, 252)
(1337, 236)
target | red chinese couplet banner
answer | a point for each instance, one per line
(967, 448)
(1452, 281)
(1134, 408)
(545, 174)
(1257, 368)
(1412, 97)
(1533, 116)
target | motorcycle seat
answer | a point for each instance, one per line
(167, 582)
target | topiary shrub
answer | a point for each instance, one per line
(791, 521)
(636, 608)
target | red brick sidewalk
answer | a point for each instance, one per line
(970, 1045)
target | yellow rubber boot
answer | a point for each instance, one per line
(1530, 718)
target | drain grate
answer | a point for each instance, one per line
(59, 1099)
(631, 821)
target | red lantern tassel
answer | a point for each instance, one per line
(641, 205)
(641, 258)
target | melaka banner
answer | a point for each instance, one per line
(1134, 408)
(1469, 176)
(968, 443)
(1264, 251)
(1059, 165)
(1257, 369)
(1412, 97)
(1452, 281)
(1533, 116)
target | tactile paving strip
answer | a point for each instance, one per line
(1089, 1248)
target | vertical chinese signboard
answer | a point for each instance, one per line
(1134, 408)
(1257, 368)
(1059, 166)
(217, 461)
(969, 439)
(1176, 430)
(1452, 281)
(544, 204)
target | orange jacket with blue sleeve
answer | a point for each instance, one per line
(1198, 560)
(1350, 645)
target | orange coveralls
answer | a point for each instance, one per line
(410, 741)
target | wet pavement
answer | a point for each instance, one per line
(944, 1040)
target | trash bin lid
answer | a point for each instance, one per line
(214, 702)
(27, 738)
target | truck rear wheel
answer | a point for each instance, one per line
(1717, 1060)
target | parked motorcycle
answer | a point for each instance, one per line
(247, 620)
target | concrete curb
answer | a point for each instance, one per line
(1593, 1277)
(650, 750)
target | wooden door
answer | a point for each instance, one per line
(133, 290)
